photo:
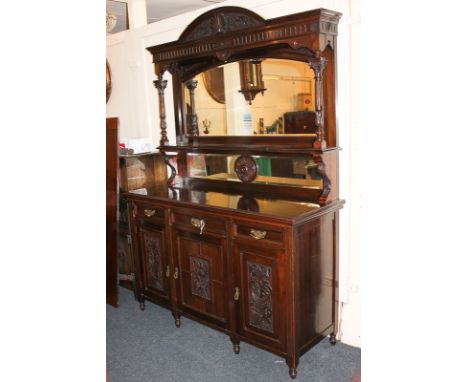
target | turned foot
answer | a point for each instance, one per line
(142, 305)
(177, 322)
(293, 373)
(333, 339)
(236, 348)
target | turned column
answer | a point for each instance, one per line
(161, 84)
(317, 65)
(192, 118)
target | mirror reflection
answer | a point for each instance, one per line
(297, 172)
(252, 97)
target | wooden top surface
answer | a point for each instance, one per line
(278, 209)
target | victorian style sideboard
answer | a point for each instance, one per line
(243, 236)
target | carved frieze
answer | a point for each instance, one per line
(260, 298)
(200, 277)
(212, 34)
(155, 268)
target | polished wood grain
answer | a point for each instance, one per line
(229, 34)
(112, 258)
(135, 171)
(257, 261)
(277, 291)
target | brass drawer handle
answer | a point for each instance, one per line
(198, 223)
(257, 234)
(236, 294)
(149, 213)
(168, 271)
(176, 273)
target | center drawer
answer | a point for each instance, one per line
(200, 223)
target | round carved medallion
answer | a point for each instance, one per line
(245, 168)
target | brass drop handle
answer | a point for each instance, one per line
(236, 293)
(257, 234)
(149, 213)
(176, 273)
(198, 223)
(168, 271)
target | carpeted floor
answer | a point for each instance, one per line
(147, 347)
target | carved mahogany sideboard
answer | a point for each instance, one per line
(244, 235)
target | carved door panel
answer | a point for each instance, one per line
(260, 277)
(201, 263)
(154, 262)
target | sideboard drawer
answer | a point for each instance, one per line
(150, 213)
(194, 220)
(259, 232)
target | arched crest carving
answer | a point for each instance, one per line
(219, 21)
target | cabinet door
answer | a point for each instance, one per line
(202, 289)
(260, 277)
(154, 261)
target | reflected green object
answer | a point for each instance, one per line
(264, 166)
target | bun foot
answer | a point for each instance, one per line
(142, 305)
(236, 348)
(333, 339)
(293, 373)
(177, 322)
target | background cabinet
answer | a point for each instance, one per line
(299, 122)
(135, 171)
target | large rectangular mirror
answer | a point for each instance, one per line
(252, 97)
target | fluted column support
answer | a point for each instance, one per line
(318, 65)
(160, 85)
(192, 117)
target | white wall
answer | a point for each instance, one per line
(134, 101)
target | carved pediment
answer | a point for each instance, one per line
(220, 21)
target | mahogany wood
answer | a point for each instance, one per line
(136, 171)
(255, 261)
(229, 34)
(277, 292)
(112, 259)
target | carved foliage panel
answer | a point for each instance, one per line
(200, 277)
(154, 265)
(260, 302)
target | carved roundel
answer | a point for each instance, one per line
(245, 168)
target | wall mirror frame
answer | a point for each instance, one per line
(229, 34)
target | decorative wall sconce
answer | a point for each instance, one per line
(251, 79)
(206, 125)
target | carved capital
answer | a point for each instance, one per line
(318, 65)
(192, 85)
(160, 84)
